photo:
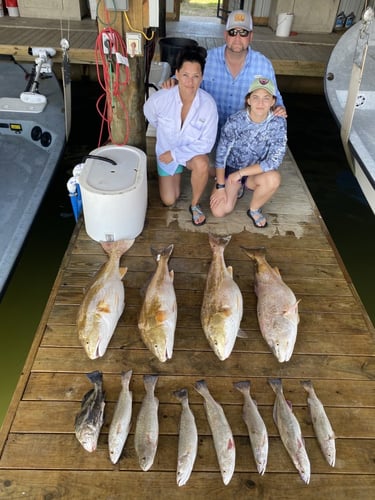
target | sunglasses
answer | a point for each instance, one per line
(243, 33)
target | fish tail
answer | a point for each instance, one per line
(256, 253)
(181, 394)
(125, 378)
(116, 248)
(242, 386)
(165, 252)
(218, 241)
(150, 382)
(307, 385)
(276, 385)
(96, 377)
(201, 387)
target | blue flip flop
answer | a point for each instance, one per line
(258, 218)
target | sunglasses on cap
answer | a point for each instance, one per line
(242, 32)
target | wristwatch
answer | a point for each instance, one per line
(220, 186)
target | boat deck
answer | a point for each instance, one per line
(39, 454)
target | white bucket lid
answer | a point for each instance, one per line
(113, 171)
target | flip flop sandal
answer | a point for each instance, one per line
(241, 192)
(258, 218)
(196, 212)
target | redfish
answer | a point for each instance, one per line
(158, 316)
(277, 307)
(222, 306)
(103, 302)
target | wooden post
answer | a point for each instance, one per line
(133, 94)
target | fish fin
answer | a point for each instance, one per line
(216, 240)
(241, 334)
(276, 384)
(95, 376)
(255, 252)
(149, 381)
(181, 394)
(242, 386)
(307, 385)
(103, 307)
(230, 271)
(291, 311)
(118, 247)
(157, 253)
(123, 271)
(277, 271)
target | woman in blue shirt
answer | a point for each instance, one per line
(251, 148)
(185, 118)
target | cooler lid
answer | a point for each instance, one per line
(110, 170)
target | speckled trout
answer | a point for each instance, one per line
(120, 424)
(103, 302)
(89, 420)
(187, 439)
(158, 316)
(222, 306)
(221, 432)
(290, 431)
(255, 425)
(277, 307)
(147, 426)
(321, 424)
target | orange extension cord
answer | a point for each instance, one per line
(114, 77)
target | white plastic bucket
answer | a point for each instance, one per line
(284, 24)
(114, 195)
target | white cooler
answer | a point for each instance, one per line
(113, 185)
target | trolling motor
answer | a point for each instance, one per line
(42, 65)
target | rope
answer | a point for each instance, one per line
(113, 80)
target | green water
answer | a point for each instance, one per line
(27, 294)
(315, 144)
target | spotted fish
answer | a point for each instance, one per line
(277, 307)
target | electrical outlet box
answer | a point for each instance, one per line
(134, 44)
(117, 4)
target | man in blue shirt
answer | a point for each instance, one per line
(232, 67)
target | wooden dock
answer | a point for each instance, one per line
(40, 457)
(39, 454)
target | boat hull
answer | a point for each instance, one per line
(32, 140)
(338, 79)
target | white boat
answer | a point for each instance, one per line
(32, 140)
(350, 92)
